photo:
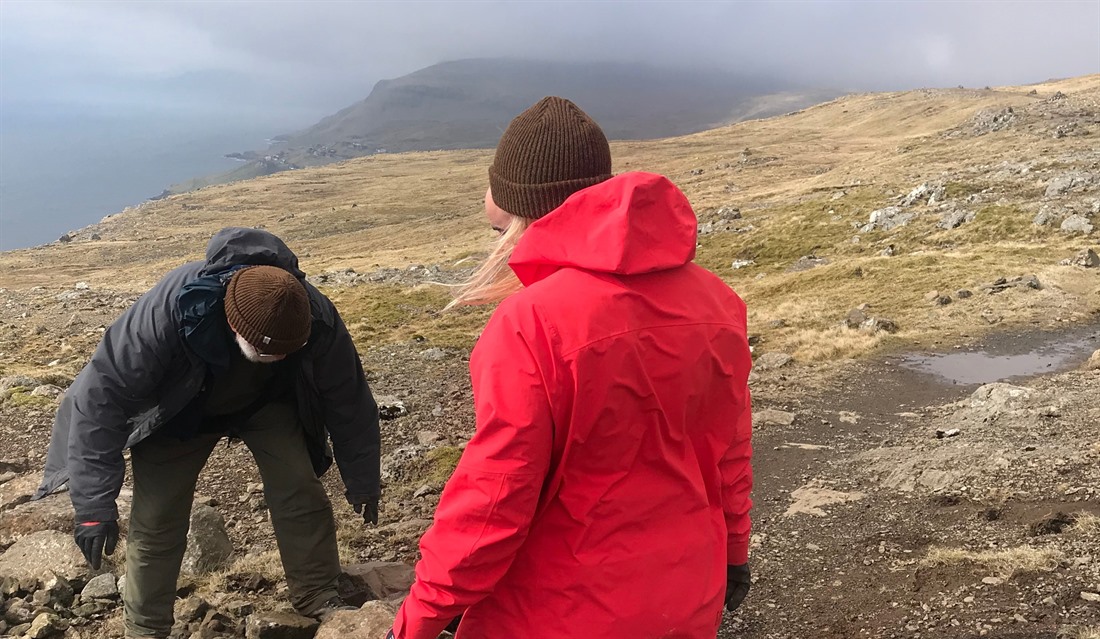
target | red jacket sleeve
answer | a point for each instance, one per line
(486, 508)
(736, 468)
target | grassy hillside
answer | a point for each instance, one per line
(805, 184)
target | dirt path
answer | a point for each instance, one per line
(861, 463)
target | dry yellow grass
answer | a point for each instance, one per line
(1088, 633)
(1085, 523)
(401, 209)
(1005, 563)
(268, 565)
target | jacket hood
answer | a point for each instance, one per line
(633, 223)
(235, 246)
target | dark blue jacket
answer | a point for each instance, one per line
(153, 361)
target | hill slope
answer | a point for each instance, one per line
(806, 184)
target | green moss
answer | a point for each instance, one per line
(20, 397)
(442, 463)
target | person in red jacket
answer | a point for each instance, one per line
(605, 493)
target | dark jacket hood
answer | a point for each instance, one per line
(236, 246)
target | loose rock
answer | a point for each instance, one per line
(47, 390)
(1067, 182)
(104, 586)
(382, 579)
(371, 621)
(879, 325)
(208, 545)
(1077, 224)
(955, 219)
(1045, 217)
(46, 625)
(856, 317)
(807, 262)
(390, 407)
(280, 625)
(772, 417)
(1086, 259)
(887, 219)
(433, 354)
(769, 361)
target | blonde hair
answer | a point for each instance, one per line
(494, 280)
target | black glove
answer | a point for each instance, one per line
(738, 580)
(94, 538)
(368, 509)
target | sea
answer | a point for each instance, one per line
(60, 171)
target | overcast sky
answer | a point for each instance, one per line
(305, 59)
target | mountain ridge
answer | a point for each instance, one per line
(466, 104)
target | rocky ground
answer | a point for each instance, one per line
(888, 503)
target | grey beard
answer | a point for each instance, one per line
(250, 353)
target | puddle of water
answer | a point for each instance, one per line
(1053, 355)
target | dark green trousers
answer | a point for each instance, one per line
(165, 472)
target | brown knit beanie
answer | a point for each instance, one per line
(269, 308)
(549, 152)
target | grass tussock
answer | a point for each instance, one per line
(1085, 523)
(1004, 563)
(266, 564)
(1088, 633)
(810, 345)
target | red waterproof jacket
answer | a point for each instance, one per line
(607, 485)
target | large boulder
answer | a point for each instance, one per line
(1077, 224)
(994, 400)
(208, 546)
(54, 512)
(1070, 181)
(372, 621)
(18, 491)
(45, 551)
(887, 219)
